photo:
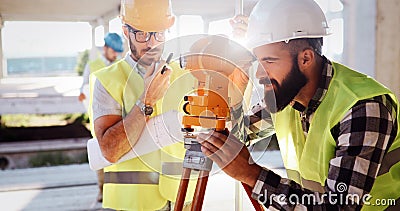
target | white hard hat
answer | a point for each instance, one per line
(273, 21)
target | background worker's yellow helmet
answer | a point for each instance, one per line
(147, 15)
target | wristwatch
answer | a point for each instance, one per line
(146, 109)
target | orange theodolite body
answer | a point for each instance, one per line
(209, 108)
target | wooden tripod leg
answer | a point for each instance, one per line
(180, 200)
(200, 191)
(256, 205)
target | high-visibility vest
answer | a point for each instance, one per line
(307, 158)
(96, 64)
(145, 182)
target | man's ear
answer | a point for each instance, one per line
(126, 32)
(306, 58)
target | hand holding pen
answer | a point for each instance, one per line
(157, 83)
(167, 62)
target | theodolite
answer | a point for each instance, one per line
(206, 109)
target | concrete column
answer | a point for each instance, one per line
(3, 70)
(106, 26)
(178, 25)
(93, 51)
(388, 44)
(206, 25)
(359, 35)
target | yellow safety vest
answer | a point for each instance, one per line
(307, 159)
(96, 64)
(146, 182)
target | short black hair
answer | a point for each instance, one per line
(300, 44)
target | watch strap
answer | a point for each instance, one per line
(145, 109)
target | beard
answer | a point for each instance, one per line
(143, 58)
(277, 99)
(110, 58)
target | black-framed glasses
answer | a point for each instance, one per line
(142, 37)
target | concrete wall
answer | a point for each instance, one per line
(359, 35)
(388, 44)
(2, 66)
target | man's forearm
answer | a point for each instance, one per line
(118, 139)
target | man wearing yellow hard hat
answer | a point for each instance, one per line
(119, 118)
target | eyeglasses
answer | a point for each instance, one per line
(142, 37)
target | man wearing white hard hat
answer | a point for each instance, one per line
(337, 129)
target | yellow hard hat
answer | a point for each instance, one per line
(147, 15)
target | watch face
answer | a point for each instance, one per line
(148, 110)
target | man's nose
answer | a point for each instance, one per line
(152, 41)
(261, 72)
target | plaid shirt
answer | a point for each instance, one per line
(362, 138)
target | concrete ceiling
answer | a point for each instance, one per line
(210, 9)
(94, 10)
(58, 10)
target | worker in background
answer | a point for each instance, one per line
(138, 183)
(337, 129)
(112, 47)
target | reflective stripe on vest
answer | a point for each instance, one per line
(389, 160)
(131, 177)
(309, 184)
(172, 168)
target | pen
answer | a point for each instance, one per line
(167, 62)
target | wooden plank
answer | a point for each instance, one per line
(47, 177)
(44, 145)
(40, 95)
(41, 105)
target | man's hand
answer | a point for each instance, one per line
(81, 97)
(156, 83)
(237, 87)
(239, 25)
(230, 155)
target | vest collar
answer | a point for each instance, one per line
(139, 69)
(326, 76)
(105, 60)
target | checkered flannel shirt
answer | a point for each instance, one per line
(362, 138)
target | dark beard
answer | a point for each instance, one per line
(278, 99)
